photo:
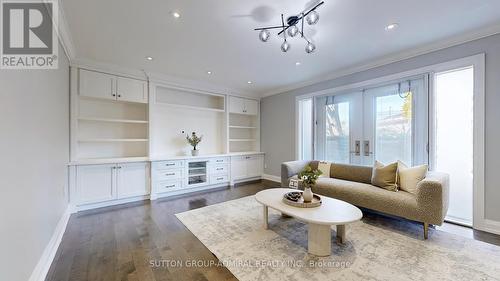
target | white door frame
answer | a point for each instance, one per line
(478, 61)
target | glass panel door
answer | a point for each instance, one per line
(337, 132)
(338, 128)
(390, 119)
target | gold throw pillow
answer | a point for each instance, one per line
(385, 176)
(410, 177)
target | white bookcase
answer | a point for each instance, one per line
(128, 139)
(109, 116)
(243, 125)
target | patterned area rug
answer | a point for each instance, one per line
(233, 232)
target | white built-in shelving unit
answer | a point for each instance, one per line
(243, 125)
(109, 116)
(128, 139)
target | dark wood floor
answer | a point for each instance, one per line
(119, 243)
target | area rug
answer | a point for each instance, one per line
(233, 232)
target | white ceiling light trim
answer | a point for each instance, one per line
(392, 26)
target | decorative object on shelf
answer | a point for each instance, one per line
(296, 199)
(309, 176)
(311, 17)
(194, 140)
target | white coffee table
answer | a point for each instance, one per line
(320, 219)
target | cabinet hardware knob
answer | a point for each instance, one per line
(113, 95)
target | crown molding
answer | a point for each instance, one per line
(62, 31)
(397, 57)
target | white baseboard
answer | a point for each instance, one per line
(45, 261)
(487, 225)
(271, 178)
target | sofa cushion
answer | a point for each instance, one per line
(325, 168)
(385, 176)
(409, 177)
(355, 173)
(368, 196)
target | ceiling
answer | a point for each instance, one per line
(218, 36)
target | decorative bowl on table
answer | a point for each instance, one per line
(295, 199)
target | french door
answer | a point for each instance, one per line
(386, 123)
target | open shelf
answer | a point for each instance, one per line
(112, 140)
(242, 139)
(192, 99)
(242, 127)
(111, 120)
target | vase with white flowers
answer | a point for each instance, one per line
(194, 140)
(309, 176)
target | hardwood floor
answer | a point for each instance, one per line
(121, 242)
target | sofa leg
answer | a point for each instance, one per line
(426, 230)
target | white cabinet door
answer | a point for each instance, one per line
(255, 165)
(236, 105)
(97, 85)
(251, 107)
(132, 180)
(238, 167)
(95, 183)
(131, 90)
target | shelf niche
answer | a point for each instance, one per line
(189, 99)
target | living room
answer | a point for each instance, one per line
(216, 140)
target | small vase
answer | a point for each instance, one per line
(195, 152)
(307, 194)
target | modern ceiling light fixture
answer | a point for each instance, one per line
(176, 15)
(311, 17)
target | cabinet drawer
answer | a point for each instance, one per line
(167, 165)
(217, 161)
(219, 170)
(169, 175)
(168, 186)
(219, 179)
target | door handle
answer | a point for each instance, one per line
(357, 148)
(366, 145)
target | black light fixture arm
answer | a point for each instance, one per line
(297, 19)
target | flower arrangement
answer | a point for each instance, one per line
(194, 140)
(309, 176)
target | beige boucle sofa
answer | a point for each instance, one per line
(352, 184)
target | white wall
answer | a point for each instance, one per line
(278, 111)
(168, 123)
(34, 148)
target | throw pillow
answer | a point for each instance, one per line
(385, 176)
(324, 167)
(410, 177)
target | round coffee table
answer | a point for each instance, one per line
(319, 219)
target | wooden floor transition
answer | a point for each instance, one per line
(122, 242)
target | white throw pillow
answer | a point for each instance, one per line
(324, 167)
(409, 177)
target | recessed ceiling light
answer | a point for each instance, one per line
(149, 58)
(249, 82)
(297, 63)
(209, 72)
(176, 14)
(391, 26)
